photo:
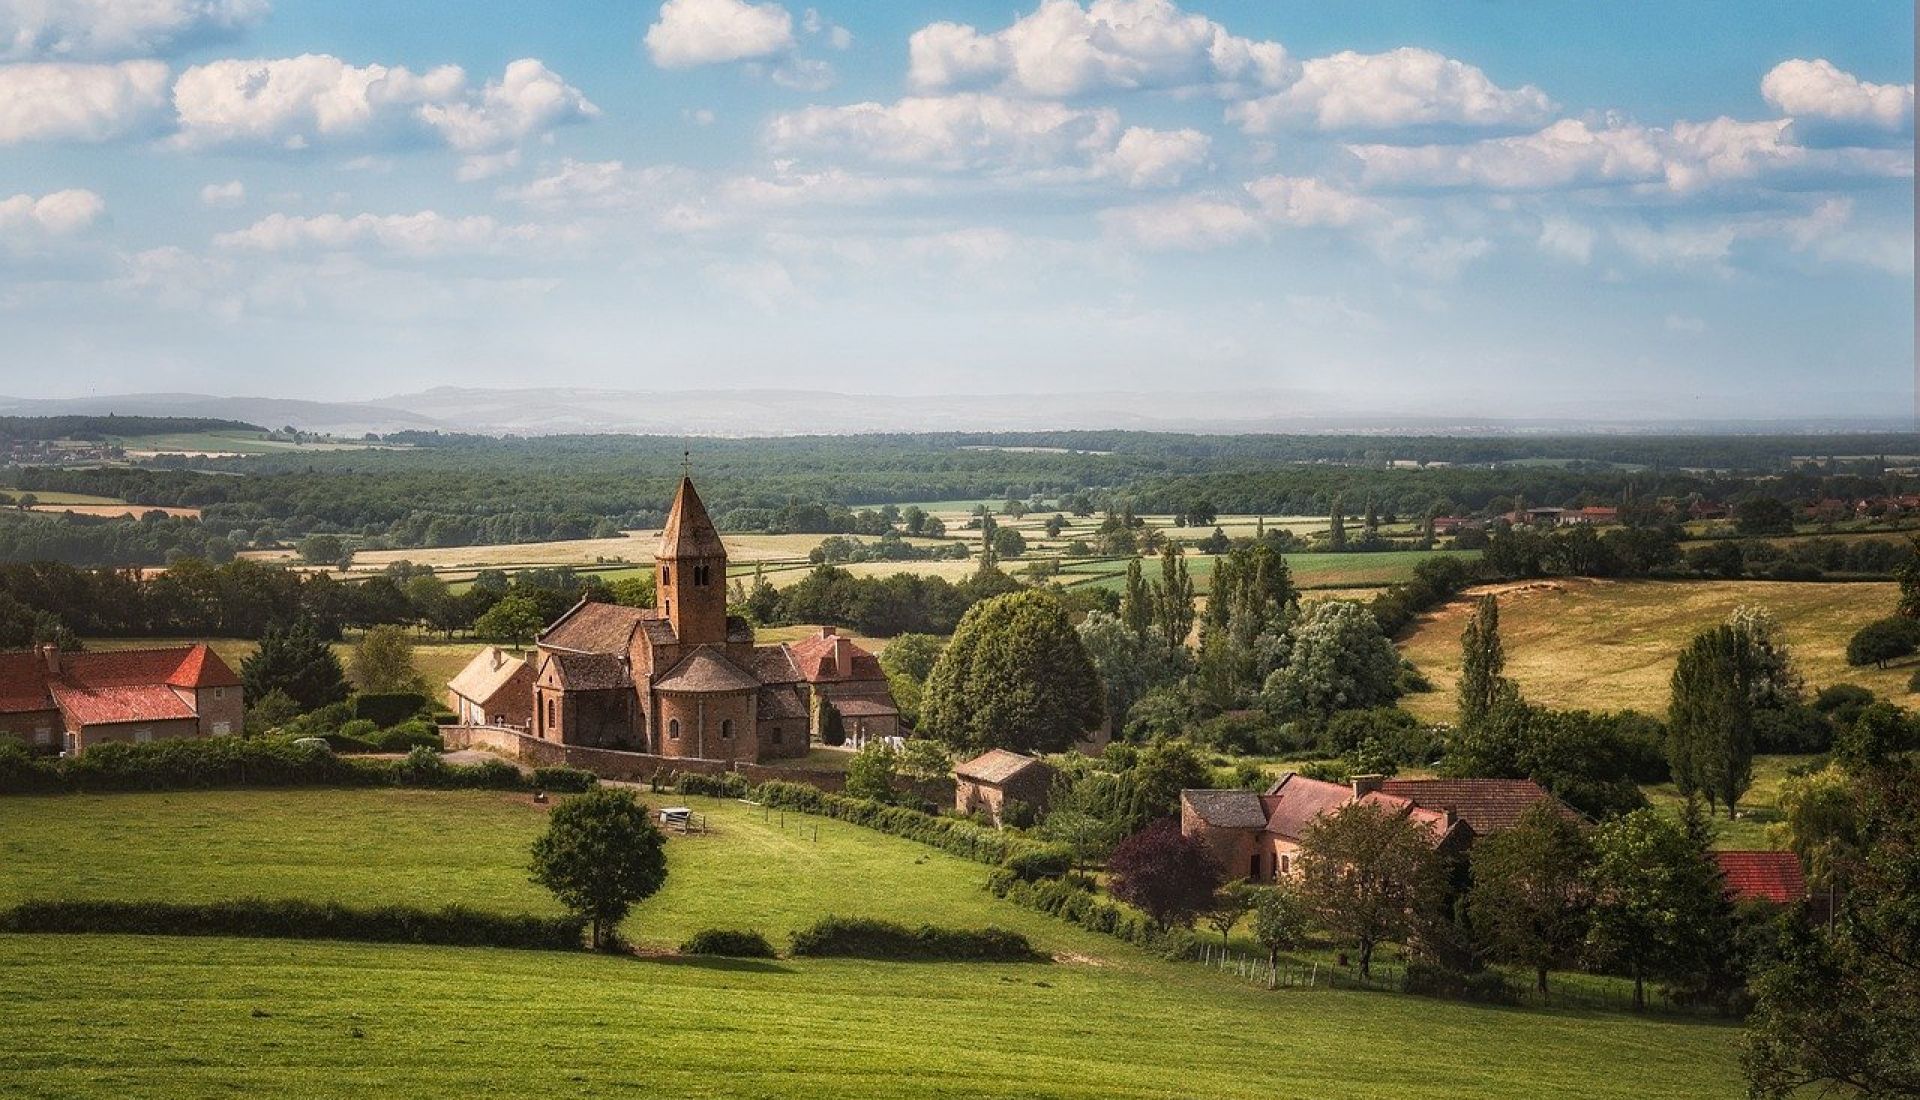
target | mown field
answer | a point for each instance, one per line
(436, 659)
(152, 1017)
(1611, 645)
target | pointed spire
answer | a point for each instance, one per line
(689, 533)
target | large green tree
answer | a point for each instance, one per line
(1175, 606)
(1710, 716)
(1367, 871)
(295, 660)
(1530, 897)
(1015, 676)
(1483, 663)
(601, 853)
(1659, 907)
(382, 661)
(1339, 661)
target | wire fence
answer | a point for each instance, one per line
(1294, 974)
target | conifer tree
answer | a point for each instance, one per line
(1337, 527)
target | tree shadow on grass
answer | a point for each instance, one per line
(721, 964)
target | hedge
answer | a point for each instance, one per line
(867, 938)
(236, 762)
(1074, 901)
(564, 780)
(954, 835)
(389, 708)
(453, 926)
(729, 942)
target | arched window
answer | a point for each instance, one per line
(550, 718)
(666, 574)
(726, 727)
(673, 729)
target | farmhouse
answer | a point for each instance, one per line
(1774, 877)
(70, 702)
(988, 782)
(1258, 836)
(495, 689)
(685, 679)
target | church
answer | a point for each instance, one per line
(685, 679)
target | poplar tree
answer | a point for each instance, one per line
(1176, 598)
(1337, 528)
(1710, 717)
(1482, 660)
(1136, 601)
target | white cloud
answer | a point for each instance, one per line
(804, 74)
(1400, 88)
(58, 101)
(57, 214)
(1062, 49)
(117, 28)
(1572, 154)
(1826, 234)
(1196, 222)
(228, 194)
(1305, 202)
(709, 32)
(295, 102)
(424, 234)
(485, 166)
(1566, 239)
(1189, 223)
(527, 100)
(991, 134)
(1818, 90)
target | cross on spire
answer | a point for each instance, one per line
(686, 463)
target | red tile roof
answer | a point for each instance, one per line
(1488, 805)
(27, 684)
(1768, 876)
(100, 706)
(996, 766)
(834, 657)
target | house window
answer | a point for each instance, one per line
(726, 727)
(550, 712)
(223, 729)
(701, 574)
(673, 729)
(666, 574)
(142, 736)
(219, 693)
(1286, 864)
(1254, 870)
(43, 736)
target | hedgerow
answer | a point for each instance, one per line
(237, 762)
(729, 942)
(952, 835)
(868, 938)
(1073, 900)
(453, 926)
(564, 780)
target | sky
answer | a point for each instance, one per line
(1505, 207)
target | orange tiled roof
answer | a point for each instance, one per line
(1488, 805)
(817, 659)
(1768, 876)
(99, 706)
(27, 684)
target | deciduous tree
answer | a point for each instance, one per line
(1169, 877)
(1366, 870)
(1530, 894)
(1015, 676)
(601, 853)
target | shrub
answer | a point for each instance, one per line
(241, 762)
(867, 938)
(390, 708)
(292, 919)
(1884, 640)
(729, 785)
(729, 942)
(360, 729)
(1071, 899)
(954, 835)
(1796, 728)
(1044, 861)
(416, 734)
(1433, 980)
(564, 780)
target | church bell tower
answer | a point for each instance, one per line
(690, 572)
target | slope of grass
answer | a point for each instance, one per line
(1611, 645)
(84, 1016)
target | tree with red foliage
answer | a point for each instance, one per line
(1169, 877)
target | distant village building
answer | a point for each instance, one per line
(495, 689)
(1774, 877)
(1259, 836)
(988, 782)
(71, 702)
(684, 678)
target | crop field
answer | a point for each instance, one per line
(232, 443)
(187, 1017)
(1611, 645)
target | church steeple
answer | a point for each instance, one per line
(691, 571)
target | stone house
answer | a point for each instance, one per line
(70, 702)
(1258, 836)
(685, 679)
(986, 783)
(495, 689)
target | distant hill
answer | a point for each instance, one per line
(112, 426)
(558, 411)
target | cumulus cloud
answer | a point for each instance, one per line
(711, 32)
(63, 101)
(295, 102)
(117, 28)
(1573, 153)
(1062, 49)
(1819, 90)
(57, 214)
(1406, 87)
(1196, 222)
(423, 234)
(972, 132)
(228, 194)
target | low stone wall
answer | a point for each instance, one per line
(634, 767)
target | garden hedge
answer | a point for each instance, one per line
(453, 926)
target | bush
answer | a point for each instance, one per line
(867, 938)
(1432, 980)
(360, 729)
(954, 835)
(728, 785)
(729, 942)
(1796, 728)
(1044, 861)
(240, 762)
(1070, 899)
(564, 780)
(391, 708)
(454, 925)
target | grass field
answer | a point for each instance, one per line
(1611, 645)
(231, 443)
(82, 1016)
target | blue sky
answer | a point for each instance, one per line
(1518, 209)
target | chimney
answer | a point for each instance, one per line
(828, 632)
(499, 657)
(1364, 785)
(843, 656)
(50, 656)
